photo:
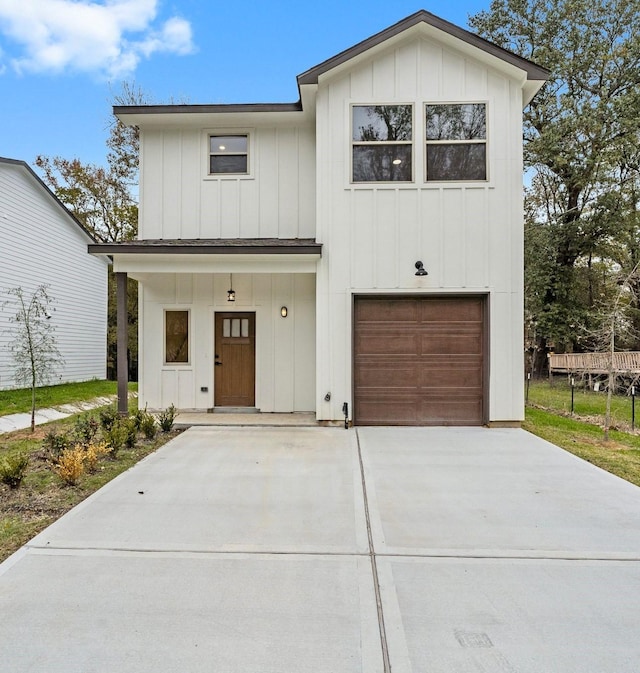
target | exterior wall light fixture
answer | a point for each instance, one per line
(421, 270)
(231, 293)
(284, 311)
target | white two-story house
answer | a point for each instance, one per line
(358, 252)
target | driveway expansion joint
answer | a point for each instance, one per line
(374, 567)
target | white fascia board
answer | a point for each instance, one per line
(286, 263)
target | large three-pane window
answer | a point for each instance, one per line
(382, 143)
(456, 141)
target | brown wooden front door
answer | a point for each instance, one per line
(419, 360)
(235, 360)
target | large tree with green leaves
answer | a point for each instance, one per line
(104, 199)
(580, 148)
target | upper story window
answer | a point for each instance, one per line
(382, 143)
(229, 154)
(456, 137)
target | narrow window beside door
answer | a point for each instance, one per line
(176, 337)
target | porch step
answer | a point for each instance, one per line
(235, 410)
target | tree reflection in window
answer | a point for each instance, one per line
(382, 137)
(456, 137)
(176, 328)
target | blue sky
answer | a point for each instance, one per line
(62, 61)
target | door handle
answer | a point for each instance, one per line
(217, 363)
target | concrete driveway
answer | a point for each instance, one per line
(276, 550)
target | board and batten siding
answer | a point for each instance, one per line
(469, 235)
(40, 244)
(276, 200)
(285, 347)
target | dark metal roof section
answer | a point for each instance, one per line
(207, 109)
(24, 165)
(533, 71)
(211, 246)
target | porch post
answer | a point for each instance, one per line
(122, 344)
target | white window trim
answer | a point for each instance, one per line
(484, 142)
(226, 131)
(412, 143)
(164, 336)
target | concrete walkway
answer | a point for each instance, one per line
(308, 550)
(13, 422)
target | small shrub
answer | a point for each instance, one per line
(108, 416)
(131, 427)
(86, 429)
(54, 444)
(137, 417)
(92, 454)
(115, 436)
(13, 469)
(149, 426)
(166, 418)
(71, 465)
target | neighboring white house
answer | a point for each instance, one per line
(42, 243)
(372, 234)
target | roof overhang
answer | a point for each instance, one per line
(237, 114)
(213, 255)
(425, 24)
(530, 75)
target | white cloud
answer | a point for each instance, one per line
(109, 37)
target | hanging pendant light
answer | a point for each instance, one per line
(231, 294)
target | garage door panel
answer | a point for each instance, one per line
(387, 343)
(372, 376)
(458, 344)
(389, 412)
(451, 310)
(460, 377)
(426, 372)
(379, 311)
(412, 411)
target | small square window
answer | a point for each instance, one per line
(456, 137)
(229, 154)
(382, 143)
(176, 337)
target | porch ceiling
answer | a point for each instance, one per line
(256, 255)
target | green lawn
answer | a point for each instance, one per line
(586, 403)
(620, 455)
(548, 416)
(19, 401)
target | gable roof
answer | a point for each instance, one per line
(23, 165)
(533, 71)
(535, 74)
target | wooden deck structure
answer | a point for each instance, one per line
(627, 362)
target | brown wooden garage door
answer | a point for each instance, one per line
(419, 361)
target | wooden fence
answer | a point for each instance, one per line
(595, 363)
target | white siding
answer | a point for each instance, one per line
(40, 244)
(285, 347)
(275, 201)
(469, 235)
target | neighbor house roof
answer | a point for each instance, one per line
(34, 176)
